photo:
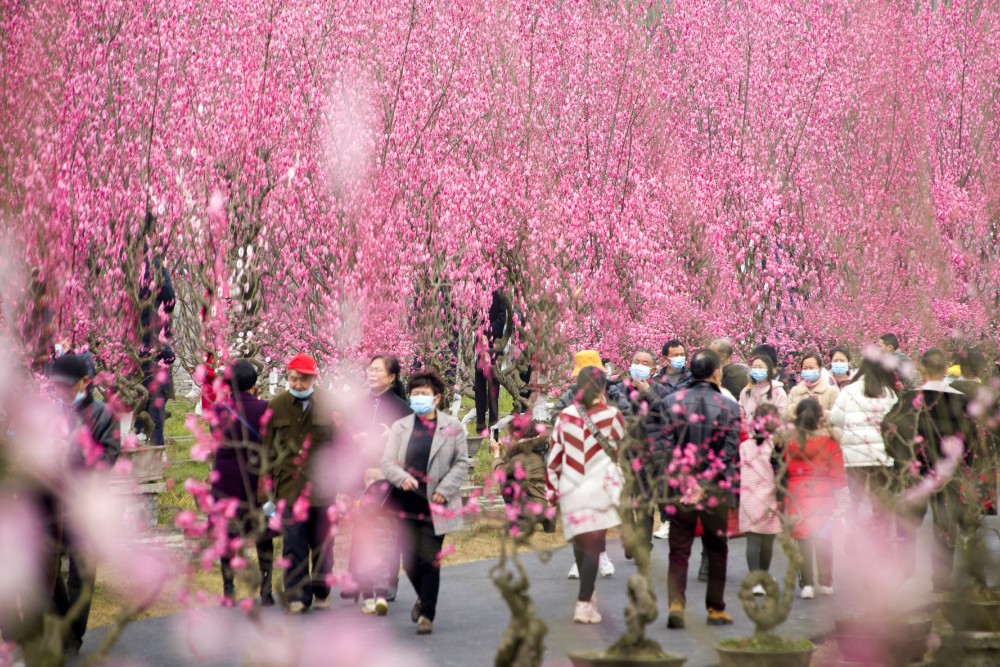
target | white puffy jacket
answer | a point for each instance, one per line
(857, 419)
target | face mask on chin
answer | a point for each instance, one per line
(305, 393)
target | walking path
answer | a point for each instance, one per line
(471, 619)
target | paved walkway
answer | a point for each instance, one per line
(471, 619)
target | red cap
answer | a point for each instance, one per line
(304, 364)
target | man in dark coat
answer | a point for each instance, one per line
(674, 374)
(643, 391)
(704, 427)
(928, 434)
(237, 424)
(301, 415)
(96, 444)
(486, 387)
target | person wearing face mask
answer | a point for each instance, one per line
(302, 414)
(643, 392)
(71, 379)
(763, 387)
(388, 402)
(840, 366)
(426, 460)
(814, 385)
(698, 434)
(674, 375)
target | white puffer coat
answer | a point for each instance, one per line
(857, 421)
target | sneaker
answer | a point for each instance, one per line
(424, 626)
(675, 619)
(825, 590)
(368, 607)
(381, 606)
(296, 607)
(663, 532)
(759, 590)
(586, 613)
(574, 572)
(807, 593)
(415, 612)
(605, 567)
(322, 603)
(719, 617)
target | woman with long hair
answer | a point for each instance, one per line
(856, 418)
(763, 388)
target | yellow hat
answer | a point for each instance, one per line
(586, 358)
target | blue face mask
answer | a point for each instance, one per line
(840, 367)
(677, 363)
(78, 398)
(302, 394)
(422, 405)
(639, 372)
(810, 376)
(758, 374)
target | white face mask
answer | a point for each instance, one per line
(639, 372)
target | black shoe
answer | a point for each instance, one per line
(267, 600)
(415, 612)
(72, 647)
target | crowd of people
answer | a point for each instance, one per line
(709, 447)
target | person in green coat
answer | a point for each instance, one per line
(301, 424)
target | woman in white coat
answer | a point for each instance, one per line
(583, 472)
(857, 418)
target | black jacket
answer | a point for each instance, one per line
(104, 430)
(932, 415)
(714, 434)
(683, 382)
(616, 399)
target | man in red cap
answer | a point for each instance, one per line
(301, 422)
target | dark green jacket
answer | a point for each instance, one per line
(286, 434)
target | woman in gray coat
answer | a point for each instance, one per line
(426, 460)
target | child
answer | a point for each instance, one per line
(374, 543)
(759, 517)
(815, 472)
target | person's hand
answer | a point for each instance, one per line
(641, 385)
(494, 448)
(439, 499)
(409, 484)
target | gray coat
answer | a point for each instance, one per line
(447, 469)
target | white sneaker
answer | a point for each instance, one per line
(807, 593)
(296, 607)
(663, 532)
(605, 567)
(381, 606)
(586, 613)
(759, 590)
(825, 590)
(368, 607)
(322, 603)
(574, 572)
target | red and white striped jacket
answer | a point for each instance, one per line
(585, 479)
